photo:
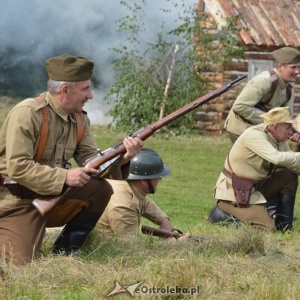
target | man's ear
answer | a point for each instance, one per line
(272, 128)
(64, 89)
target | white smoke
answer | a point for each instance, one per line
(47, 28)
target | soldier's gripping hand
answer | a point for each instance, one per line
(78, 177)
(133, 146)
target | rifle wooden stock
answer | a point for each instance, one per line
(46, 204)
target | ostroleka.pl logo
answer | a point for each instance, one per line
(139, 288)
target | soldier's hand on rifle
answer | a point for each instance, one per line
(133, 146)
(78, 177)
(183, 236)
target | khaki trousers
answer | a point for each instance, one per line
(254, 215)
(22, 227)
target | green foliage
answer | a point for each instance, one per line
(141, 75)
(148, 85)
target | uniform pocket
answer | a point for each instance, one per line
(69, 153)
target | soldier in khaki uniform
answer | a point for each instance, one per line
(261, 154)
(22, 227)
(130, 202)
(265, 91)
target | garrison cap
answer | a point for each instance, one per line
(286, 55)
(278, 115)
(69, 68)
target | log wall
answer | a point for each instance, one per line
(209, 118)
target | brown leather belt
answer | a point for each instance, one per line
(227, 173)
(17, 189)
(242, 118)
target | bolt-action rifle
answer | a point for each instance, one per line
(163, 233)
(102, 161)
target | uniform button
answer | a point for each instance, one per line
(59, 141)
(57, 162)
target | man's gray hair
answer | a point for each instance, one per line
(54, 86)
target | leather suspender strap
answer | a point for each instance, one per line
(43, 135)
(45, 127)
(79, 127)
(230, 172)
(260, 104)
(44, 131)
(273, 89)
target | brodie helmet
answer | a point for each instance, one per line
(147, 164)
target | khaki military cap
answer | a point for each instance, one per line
(69, 68)
(278, 115)
(286, 55)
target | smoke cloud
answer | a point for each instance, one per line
(33, 30)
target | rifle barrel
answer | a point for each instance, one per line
(46, 204)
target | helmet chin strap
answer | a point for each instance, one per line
(150, 186)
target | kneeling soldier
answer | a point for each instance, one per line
(259, 168)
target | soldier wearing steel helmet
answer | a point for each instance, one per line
(129, 201)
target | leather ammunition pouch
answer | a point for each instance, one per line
(242, 188)
(17, 189)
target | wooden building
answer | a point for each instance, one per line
(264, 26)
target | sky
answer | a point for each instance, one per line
(88, 27)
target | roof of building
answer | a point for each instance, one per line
(265, 23)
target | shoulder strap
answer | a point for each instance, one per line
(273, 88)
(44, 131)
(45, 127)
(79, 127)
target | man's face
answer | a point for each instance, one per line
(289, 72)
(77, 96)
(282, 132)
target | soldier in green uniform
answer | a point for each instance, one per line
(261, 164)
(22, 227)
(265, 91)
(130, 202)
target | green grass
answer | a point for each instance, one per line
(235, 263)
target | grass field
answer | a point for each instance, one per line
(234, 263)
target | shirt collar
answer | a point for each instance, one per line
(282, 84)
(57, 108)
(137, 191)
